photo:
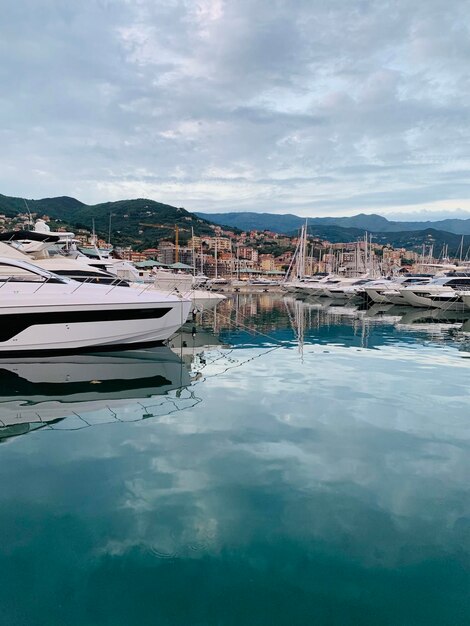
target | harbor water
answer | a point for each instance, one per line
(282, 462)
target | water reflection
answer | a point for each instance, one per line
(329, 487)
(96, 388)
(247, 319)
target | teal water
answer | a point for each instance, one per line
(310, 466)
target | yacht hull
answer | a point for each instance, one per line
(395, 298)
(62, 331)
(414, 298)
(377, 295)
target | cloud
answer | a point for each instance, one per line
(332, 107)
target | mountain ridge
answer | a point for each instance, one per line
(288, 223)
(142, 223)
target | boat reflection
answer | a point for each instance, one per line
(91, 389)
(246, 319)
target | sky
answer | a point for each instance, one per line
(312, 107)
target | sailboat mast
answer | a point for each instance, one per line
(176, 245)
(193, 251)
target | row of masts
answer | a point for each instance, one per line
(302, 263)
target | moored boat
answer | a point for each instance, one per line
(43, 312)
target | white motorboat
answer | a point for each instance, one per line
(342, 287)
(465, 296)
(311, 286)
(347, 288)
(42, 250)
(41, 311)
(293, 285)
(54, 252)
(387, 290)
(441, 292)
(186, 286)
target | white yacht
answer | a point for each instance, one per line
(441, 292)
(41, 311)
(465, 297)
(44, 249)
(382, 291)
(344, 288)
(186, 286)
(309, 286)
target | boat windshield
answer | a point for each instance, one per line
(14, 270)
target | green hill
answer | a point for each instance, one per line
(140, 223)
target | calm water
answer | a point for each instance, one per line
(310, 466)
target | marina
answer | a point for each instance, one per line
(234, 313)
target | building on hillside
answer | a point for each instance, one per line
(150, 253)
(166, 252)
(266, 262)
(222, 243)
(245, 252)
(185, 255)
(195, 242)
(224, 267)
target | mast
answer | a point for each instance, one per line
(238, 260)
(193, 251)
(176, 244)
(29, 213)
(293, 260)
(109, 229)
(215, 255)
(304, 268)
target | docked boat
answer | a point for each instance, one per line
(387, 290)
(344, 288)
(295, 285)
(465, 296)
(44, 250)
(43, 312)
(188, 287)
(309, 286)
(441, 292)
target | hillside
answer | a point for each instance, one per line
(134, 222)
(142, 223)
(288, 223)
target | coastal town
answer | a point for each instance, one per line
(247, 255)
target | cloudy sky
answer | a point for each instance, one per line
(315, 107)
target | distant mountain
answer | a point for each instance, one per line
(288, 223)
(139, 222)
(410, 239)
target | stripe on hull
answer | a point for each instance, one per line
(14, 323)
